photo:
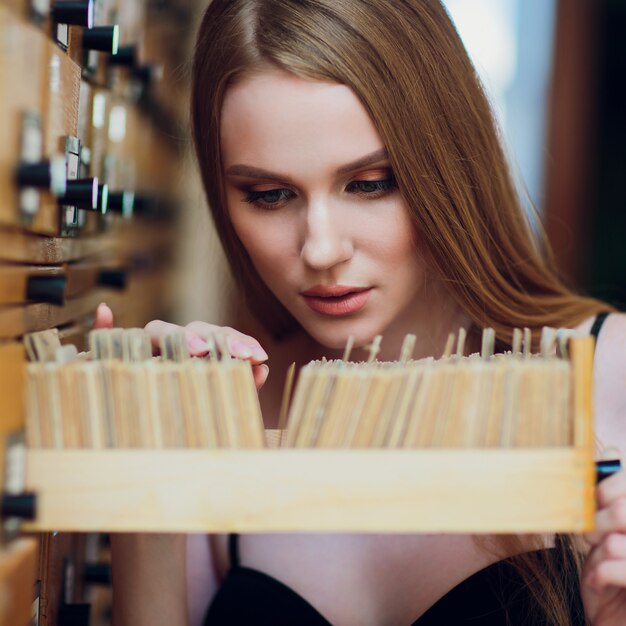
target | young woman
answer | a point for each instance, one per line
(355, 177)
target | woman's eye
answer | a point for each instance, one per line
(371, 187)
(269, 197)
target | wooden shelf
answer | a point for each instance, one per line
(20, 247)
(18, 571)
(488, 490)
(18, 320)
(14, 280)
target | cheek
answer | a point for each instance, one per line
(400, 258)
(391, 238)
(269, 241)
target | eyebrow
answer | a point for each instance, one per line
(255, 172)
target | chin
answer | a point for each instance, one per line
(334, 334)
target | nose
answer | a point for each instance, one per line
(326, 242)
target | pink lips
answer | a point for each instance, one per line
(336, 300)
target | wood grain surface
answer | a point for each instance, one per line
(314, 490)
(14, 280)
(18, 569)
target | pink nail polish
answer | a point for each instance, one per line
(259, 353)
(197, 345)
(240, 349)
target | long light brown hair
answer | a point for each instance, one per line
(406, 63)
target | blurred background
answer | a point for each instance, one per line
(104, 85)
(555, 73)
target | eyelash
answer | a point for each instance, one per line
(381, 188)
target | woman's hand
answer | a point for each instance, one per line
(604, 574)
(239, 345)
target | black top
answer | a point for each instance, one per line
(494, 596)
(597, 324)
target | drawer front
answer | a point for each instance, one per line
(23, 248)
(17, 320)
(21, 78)
(20, 284)
(37, 77)
(12, 360)
(18, 570)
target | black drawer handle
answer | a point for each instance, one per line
(102, 38)
(115, 277)
(22, 505)
(75, 12)
(604, 469)
(50, 289)
(81, 192)
(122, 202)
(49, 174)
(126, 56)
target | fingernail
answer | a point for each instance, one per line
(196, 344)
(259, 353)
(240, 349)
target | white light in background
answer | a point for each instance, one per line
(510, 43)
(488, 30)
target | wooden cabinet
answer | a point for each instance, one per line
(59, 260)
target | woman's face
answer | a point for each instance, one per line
(312, 197)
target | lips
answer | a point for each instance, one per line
(336, 300)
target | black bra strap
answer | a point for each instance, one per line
(597, 324)
(233, 549)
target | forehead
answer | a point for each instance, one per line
(275, 118)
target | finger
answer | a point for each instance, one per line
(197, 333)
(246, 350)
(609, 573)
(609, 519)
(158, 328)
(239, 345)
(260, 373)
(611, 548)
(611, 488)
(104, 317)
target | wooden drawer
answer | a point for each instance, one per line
(36, 76)
(12, 360)
(22, 248)
(87, 275)
(15, 321)
(20, 284)
(61, 96)
(21, 78)
(129, 147)
(16, 282)
(93, 120)
(18, 573)
(308, 490)
(60, 551)
(31, 283)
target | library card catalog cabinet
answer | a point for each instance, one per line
(89, 153)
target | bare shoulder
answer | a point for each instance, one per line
(610, 359)
(610, 382)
